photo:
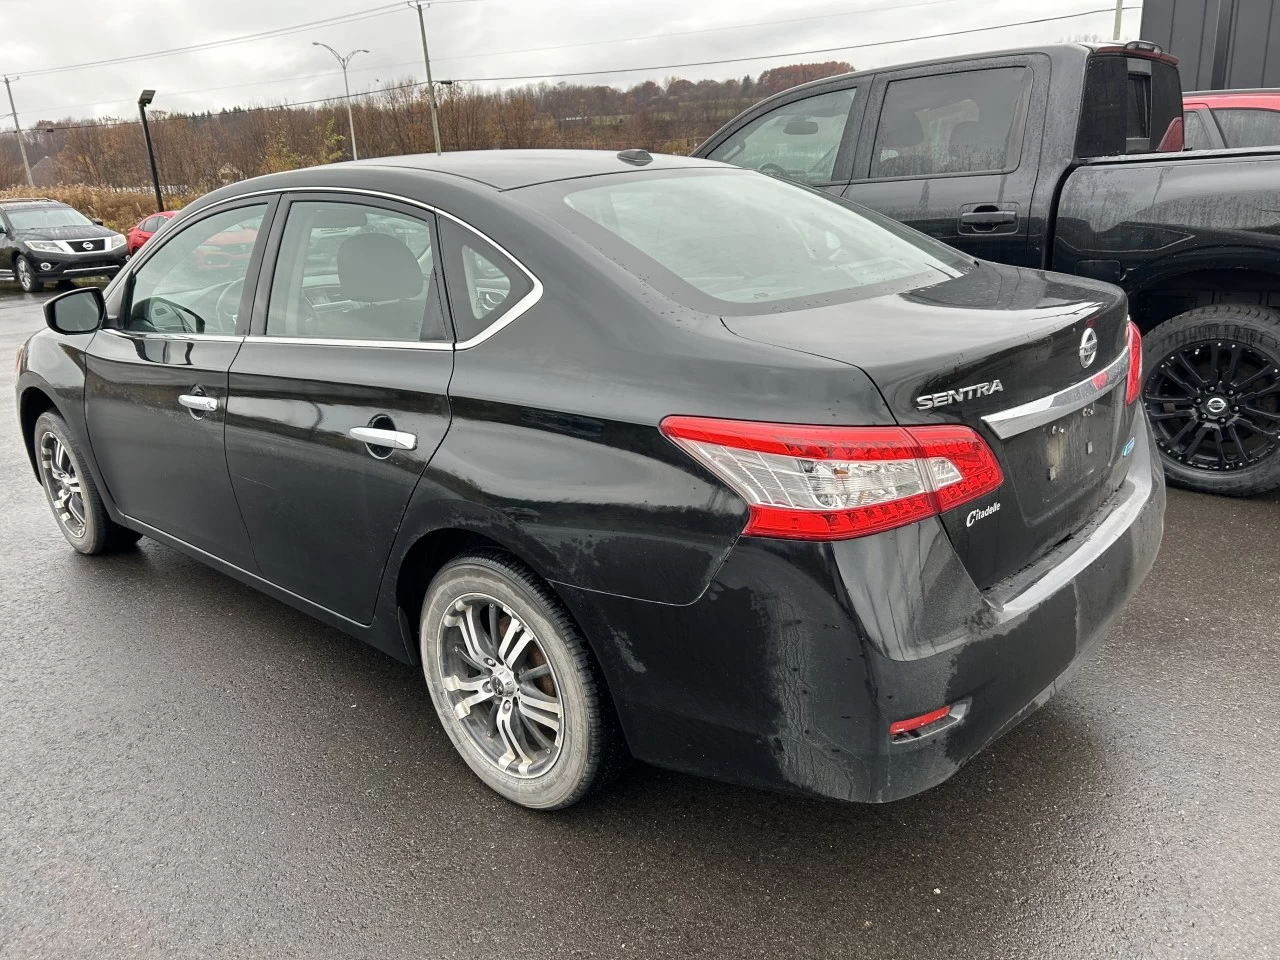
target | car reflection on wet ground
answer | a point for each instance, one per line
(192, 768)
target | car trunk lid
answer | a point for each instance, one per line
(1035, 363)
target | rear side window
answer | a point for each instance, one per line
(1249, 127)
(348, 271)
(484, 285)
(968, 122)
(798, 140)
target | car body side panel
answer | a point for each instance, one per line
(54, 364)
(1139, 222)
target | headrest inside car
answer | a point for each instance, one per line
(374, 268)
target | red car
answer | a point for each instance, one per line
(1217, 119)
(144, 229)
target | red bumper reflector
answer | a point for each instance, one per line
(1133, 386)
(915, 723)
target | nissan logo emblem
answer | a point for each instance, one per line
(88, 245)
(1088, 347)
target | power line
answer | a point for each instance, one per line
(232, 41)
(617, 70)
(504, 53)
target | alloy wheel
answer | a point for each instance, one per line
(62, 483)
(1215, 405)
(500, 686)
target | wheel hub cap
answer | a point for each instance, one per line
(1215, 405)
(500, 686)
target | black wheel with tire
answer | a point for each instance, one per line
(1212, 393)
(26, 273)
(72, 495)
(514, 685)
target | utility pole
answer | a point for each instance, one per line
(22, 147)
(144, 101)
(351, 123)
(431, 87)
(1119, 18)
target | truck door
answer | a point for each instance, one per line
(953, 151)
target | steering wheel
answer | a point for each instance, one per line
(772, 169)
(227, 309)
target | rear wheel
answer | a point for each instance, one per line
(1212, 393)
(26, 275)
(74, 499)
(513, 684)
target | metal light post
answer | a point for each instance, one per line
(1119, 18)
(346, 86)
(144, 101)
(431, 87)
(17, 130)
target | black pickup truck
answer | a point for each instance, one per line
(1070, 158)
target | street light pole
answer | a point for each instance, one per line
(22, 147)
(1119, 18)
(431, 87)
(144, 101)
(351, 123)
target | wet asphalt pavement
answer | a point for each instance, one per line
(189, 769)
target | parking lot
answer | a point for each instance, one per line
(192, 769)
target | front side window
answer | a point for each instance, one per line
(194, 281)
(968, 122)
(483, 284)
(350, 271)
(1249, 127)
(739, 243)
(799, 140)
(42, 216)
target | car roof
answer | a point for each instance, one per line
(15, 202)
(1261, 97)
(512, 169)
(1079, 50)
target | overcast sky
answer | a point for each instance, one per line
(474, 39)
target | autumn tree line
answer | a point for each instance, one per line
(197, 152)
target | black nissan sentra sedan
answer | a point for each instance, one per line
(633, 455)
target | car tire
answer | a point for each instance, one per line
(73, 497)
(1198, 367)
(514, 684)
(26, 274)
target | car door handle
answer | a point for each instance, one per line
(395, 439)
(194, 401)
(988, 218)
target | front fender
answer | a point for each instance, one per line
(51, 375)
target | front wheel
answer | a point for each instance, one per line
(1212, 393)
(513, 684)
(27, 275)
(71, 492)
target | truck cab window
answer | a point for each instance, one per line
(950, 123)
(798, 140)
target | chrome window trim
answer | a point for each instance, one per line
(520, 307)
(157, 335)
(1036, 413)
(339, 342)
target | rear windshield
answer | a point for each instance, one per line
(41, 217)
(733, 241)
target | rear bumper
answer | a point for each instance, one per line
(788, 671)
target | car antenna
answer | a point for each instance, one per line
(638, 157)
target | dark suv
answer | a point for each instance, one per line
(43, 240)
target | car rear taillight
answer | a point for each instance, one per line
(835, 483)
(1134, 384)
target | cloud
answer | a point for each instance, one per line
(484, 39)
